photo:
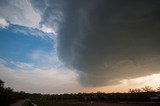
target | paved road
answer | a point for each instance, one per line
(19, 103)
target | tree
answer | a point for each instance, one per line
(147, 89)
(1, 83)
(136, 90)
(158, 89)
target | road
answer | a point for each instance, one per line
(19, 103)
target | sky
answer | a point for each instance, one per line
(71, 46)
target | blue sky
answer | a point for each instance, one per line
(17, 46)
(29, 59)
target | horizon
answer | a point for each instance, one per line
(58, 46)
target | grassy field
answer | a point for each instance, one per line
(70, 103)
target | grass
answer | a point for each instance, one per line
(74, 103)
(26, 103)
(52, 103)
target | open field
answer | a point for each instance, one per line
(67, 103)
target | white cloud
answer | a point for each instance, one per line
(47, 29)
(151, 80)
(45, 59)
(22, 65)
(19, 12)
(3, 23)
(40, 80)
(2, 61)
(33, 31)
(45, 74)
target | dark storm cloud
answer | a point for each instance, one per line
(106, 40)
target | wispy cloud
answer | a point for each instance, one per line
(45, 59)
(21, 14)
(26, 77)
(33, 31)
(44, 73)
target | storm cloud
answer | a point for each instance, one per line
(105, 40)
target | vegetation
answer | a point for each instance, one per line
(148, 89)
(7, 96)
(26, 103)
(158, 89)
(54, 103)
(145, 94)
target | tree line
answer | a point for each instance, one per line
(144, 89)
(8, 96)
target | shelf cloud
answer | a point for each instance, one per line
(105, 40)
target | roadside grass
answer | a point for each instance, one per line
(53, 103)
(26, 103)
(76, 103)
